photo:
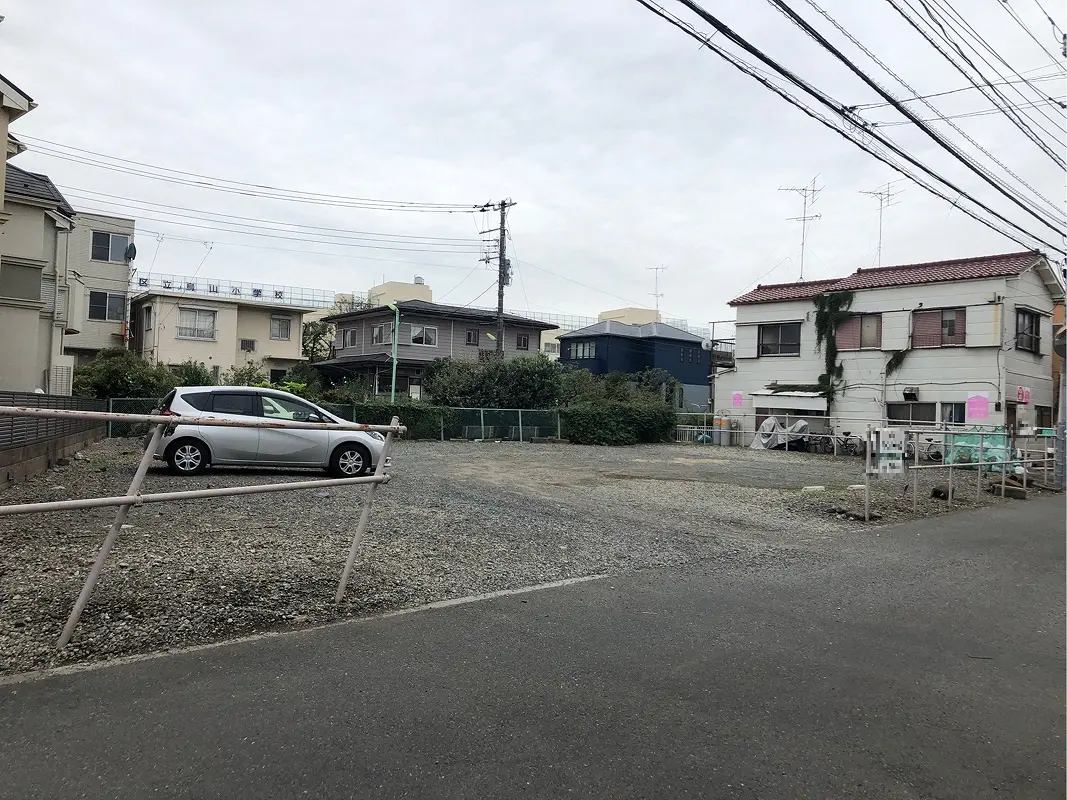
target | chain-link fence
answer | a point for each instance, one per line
(130, 405)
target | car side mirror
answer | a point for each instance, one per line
(314, 418)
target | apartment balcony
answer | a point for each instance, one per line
(722, 353)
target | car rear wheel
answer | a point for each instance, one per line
(187, 457)
(350, 461)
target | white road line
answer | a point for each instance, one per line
(70, 669)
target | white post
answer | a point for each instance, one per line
(481, 417)
(867, 478)
(364, 516)
(947, 452)
(915, 470)
(109, 540)
(520, 424)
(981, 466)
(559, 427)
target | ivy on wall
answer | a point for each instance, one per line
(831, 311)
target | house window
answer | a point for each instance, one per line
(911, 413)
(280, 328)
(954, 413)
(425, 335)
(522, 341)
(552, 348)
(381, 334)
(946, 327)
(472, 337)
(779, 339)
(1043, 416)
(583, 350)
(681, 354)
(1027, 331)
(196, 323)
(147, 314)
(870, 331)
(107, 307)
(248, 345)
(690, 352)
(348, 337)
(277, 375)
(109, 246)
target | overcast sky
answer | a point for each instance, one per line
(624, 145)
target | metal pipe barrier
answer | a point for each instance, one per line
(162, 422)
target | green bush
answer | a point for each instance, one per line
(613, 423)
(422, 421)
(120, 373)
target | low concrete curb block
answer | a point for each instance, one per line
(1014, 492)
(813, 489)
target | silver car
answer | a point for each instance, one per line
(189, 448)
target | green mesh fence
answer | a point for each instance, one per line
(130, 405)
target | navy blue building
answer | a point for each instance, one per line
(613, 346)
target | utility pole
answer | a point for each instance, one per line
(503, 265)
(809, 195)
(657, 294)
(885, 197)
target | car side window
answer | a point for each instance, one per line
(201, 401)
(283, 408)
(243, 404)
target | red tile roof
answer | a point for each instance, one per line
(781, 292)
(960, 269)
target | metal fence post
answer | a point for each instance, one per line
(481, 417)
(109, 540)
(442, 427)
(364, 516)
(947, 457)
(915, 470)
(520, 423)
(981, 466)
(1004, 466)
(559, 426)
(110, 408)
(867, 478)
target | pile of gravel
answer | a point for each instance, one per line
(457, 519)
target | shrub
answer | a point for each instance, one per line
(614, 423)
(422, 421)
(120, 373)
(192, 373)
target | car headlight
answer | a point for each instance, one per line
(377, 436)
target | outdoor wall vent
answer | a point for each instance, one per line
(911, 394)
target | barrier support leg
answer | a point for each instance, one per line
(112, 536)
(364, 517)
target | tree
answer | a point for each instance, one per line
(192, 373)
(120, 373)
(316, 340)
(248, 375)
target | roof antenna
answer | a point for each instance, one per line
(809, 194)
(885, 196)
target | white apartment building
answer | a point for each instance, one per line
(967, 341)
(223, 324)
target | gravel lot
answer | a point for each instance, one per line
(458, 519)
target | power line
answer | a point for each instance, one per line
(964, 115)
(1015, 16)
(1020, 120)
(1056, 208)
(140, 204)
(850, 119)
(862, 106)
(943, 143)
(185, 174)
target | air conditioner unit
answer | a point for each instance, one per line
(248, 345)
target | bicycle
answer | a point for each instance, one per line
(846, 443)
(932, 450)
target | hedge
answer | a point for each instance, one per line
(617, 423)
(422, 422)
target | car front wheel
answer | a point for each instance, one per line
(187, 457)
(350, 461)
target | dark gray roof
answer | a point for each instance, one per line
(650, 330)
(452, 312)
(39, 187)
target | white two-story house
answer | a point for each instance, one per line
(967, 341)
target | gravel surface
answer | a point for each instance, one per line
(457, 519)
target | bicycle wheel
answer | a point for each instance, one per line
(853, 447)
(826, 445)
(935, 453)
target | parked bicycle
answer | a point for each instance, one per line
(930, 449)
(846, 444)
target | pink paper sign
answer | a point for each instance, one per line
(1022, 394)
(977, 407)
(738, 399)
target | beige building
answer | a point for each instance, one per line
(99, 256)
(222, 324)
(35, 223)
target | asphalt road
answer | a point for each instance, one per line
(921, 662)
